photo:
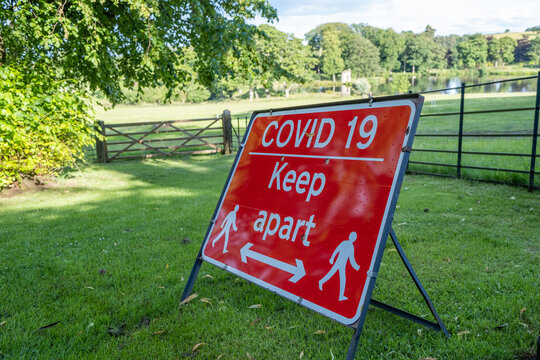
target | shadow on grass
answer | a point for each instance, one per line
(108, 253)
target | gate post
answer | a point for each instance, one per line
(227, 132)
(460, 134)
(101, 144)
(534, 135)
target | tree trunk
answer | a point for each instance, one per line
(333, 83)
(251, 93)
(287, 92)
(2, 51)
(267, 93)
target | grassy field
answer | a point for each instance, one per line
(103, 255)
(505, 122)
(137, 113)
(516, 35)
(177, 111)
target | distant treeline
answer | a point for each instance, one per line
(366, 50)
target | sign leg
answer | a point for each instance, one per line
(417, 281)
(354, 341)
(192, 276)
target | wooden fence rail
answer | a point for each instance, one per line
(165, 138)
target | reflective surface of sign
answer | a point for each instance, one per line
(305, 208)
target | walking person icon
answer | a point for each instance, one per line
(345, 253)
(228, 222)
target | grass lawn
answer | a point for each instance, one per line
(178, 111)
(503, 122)
(105, 253)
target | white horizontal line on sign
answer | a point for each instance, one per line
(318, 156)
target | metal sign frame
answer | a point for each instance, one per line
(381, 242)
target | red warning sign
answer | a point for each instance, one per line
(309, 199)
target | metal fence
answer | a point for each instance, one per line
(485, 146)
(239, 127)
(485, 138)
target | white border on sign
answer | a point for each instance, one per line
(312, 306)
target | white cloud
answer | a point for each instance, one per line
(448, 17)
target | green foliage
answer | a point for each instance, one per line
(400, 83)
(534, 50)
(291, 61)
(473, 52)
(389, 43)
(521, 53)
(360, 55)
(534, 28)
(421, 52)
(196, 93)
(332, 62)
(501, 50)
(108, 44)
(44, 123)
(362, 86)
(449, 44)
(331, 47)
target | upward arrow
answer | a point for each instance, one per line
(298, 271)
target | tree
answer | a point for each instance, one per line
(534, 50)
(107, 43)
(359, 55)
(521, 52)
(449, 44)
(399, 83)
(473, 51)
(501, 51)
(315, 38)
(389, 43)
(534, 28)
(44, 124)
(421, 52)
(332, 62)
(291, 61)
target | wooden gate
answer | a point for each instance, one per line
(165, 138)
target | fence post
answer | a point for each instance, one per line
(227, 132)
(460, 135)
(534, 135)
(101, 145)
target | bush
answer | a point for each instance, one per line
(400, 83)
(362, 86)
(44, 123)
(196, 93)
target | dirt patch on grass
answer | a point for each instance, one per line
(36, 184)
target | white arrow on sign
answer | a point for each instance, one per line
(298, 271)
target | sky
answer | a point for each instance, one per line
(446, 16)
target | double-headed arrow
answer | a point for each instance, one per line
(298, 271)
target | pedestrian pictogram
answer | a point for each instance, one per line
(343, 254)
(228, 223)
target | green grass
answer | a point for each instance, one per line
(516, 35)
(518, 121)
(504, 122)
(177, 111)
(102, 252)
